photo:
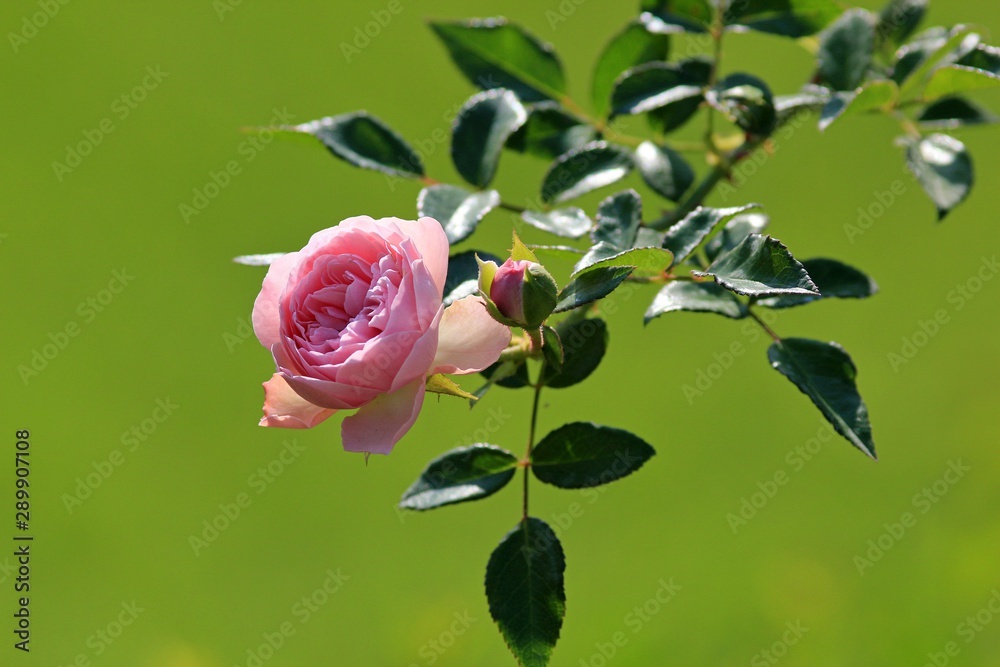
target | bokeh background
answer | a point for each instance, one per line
(410, 586)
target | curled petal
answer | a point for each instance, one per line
(266, 319)
(283, 408)
(469, 339)
(378, 426)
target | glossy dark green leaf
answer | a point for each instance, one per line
(550, 132)
(457, 209)
(746, 101)
(683, 237)
(944, 169)
(737, 229)
(481, 129)
(635, 45)
(931, 49)
(679, 15)
(879, 94)
(588, 168)
(899, 19)
(644, 261)
(835, 280)
(954, 79)
(825, 373)
(652, 86)
(846, 50)
(365, 141)
(506, 374)
(788, 18)
(584, 343)
(953, 112)
(569, 222)
(670, 117)
(664, 170)
(525, 591)
(591, 285)
(760, 266)
(463, 474)
(582, 455)
(695, 297)
(618, 219)
(463, 274)
(982, 57)
(493, 53)
(809, 100)
(552, 349)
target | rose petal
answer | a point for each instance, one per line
(266, 320)
(283, 408)
(469, 339)
(378, 426)
(432, 243)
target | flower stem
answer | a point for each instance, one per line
(770, 332)
(531, 441)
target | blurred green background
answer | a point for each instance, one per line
(410, 590)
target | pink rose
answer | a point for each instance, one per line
(355, 321)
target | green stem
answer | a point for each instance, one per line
(770, 332)
(531, 440)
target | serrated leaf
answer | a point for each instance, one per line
(954, 112)
(835, 280)
(493, 53)
(652, 86)
(569, 222)
(578, 172)
(846, 50)
(618, 219)
(591, 286)
(746, 101)
(899, 19)
(463, 274)
(788, 18)
(697, 298)
(525, 591)
(644, 261)
(664, 170)
(457, 209)
(635, 45)
(944, 169)
(953, 79)
(873, 95)
(737, 229)
(550, 132)
(365, 141)
(481, 129)
(460, 475)
(826, 374)
(684, 236)
(258, 260)
(582, 455)
(584, 343)
(760, 266)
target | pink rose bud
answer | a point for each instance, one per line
(524, 292)
(506, 289)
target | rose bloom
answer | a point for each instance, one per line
(355, 321)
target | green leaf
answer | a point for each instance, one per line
(618, 219)
(506, 374)
(982, 57)
(810, 99)
(457, 209)
(633, 46)
(588, 168)
(954, 112)
(584, 343)
(442, 384)
(825, 373)
(683, 237)
(679, 15)
(463, 274)
(582, 455)
(460, 475)
(737, 229)
(482, 127)
(568, 222)
(552, 349)
(670, 117)
(697, 298)
(788, 18)
(591, 285)
(760, 266)
(493, 53)
(664, 170)
(644, 261)
(873, 95)
(746, 101)
(899, 19)
(365, 141)
(944, 169)
(525, 591)
(953, 79)
(929, 50)
(519, 251)
(258, 260)
(846, 50)
(652, 86)
(833, 279)
(550, 132)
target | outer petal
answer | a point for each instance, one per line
(378, 426)
(266, 319)
(283, 408)
(432, 243)
(469, 339)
